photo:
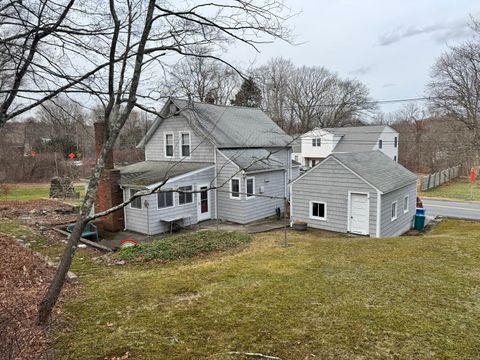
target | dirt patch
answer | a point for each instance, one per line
(24, 278)
(38, 213)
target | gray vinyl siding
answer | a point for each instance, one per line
(136, 219)
(202, 150)
(330, 183)
(295, 172)
(404, 221)
(245, 210)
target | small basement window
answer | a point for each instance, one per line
(394, 211)
(318, 210)
(185, 197)
(137, 202)
(235, 188)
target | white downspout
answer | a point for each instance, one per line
(379, 214)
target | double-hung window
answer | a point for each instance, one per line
(318, 210)
(316, 142)
(235, 188)
(137, 202)
(250, 186)
(185, 196)
(169, 144)
(165, 199)
(405, 204)
(394, 211)
(185, 144)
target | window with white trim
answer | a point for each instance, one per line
(316, 142)
(380, 144)
(394, 211)
(395, 142)
(318, 210)
(137, 202)
(250, 187)
(235, 188)
(405, 204)
(185, 144)
(169, 144)
(165, 199)
(185, 197)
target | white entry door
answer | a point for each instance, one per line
(203, 203)
(359, 214)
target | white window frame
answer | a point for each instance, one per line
(406, 201)
(316, 142)
(395, 142)
(324, 218)
(166, 207)
(394, 217)
(165, 134)
(131, 203)
(180, 150)
(187, 203)
(239, 189)
(252, 196)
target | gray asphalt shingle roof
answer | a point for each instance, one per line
(150, 172)
(360, 138)
(378, 169)
(254, 159)
(231, 126)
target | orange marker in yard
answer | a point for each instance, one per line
(473, 176)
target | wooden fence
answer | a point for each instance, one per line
(436, 179)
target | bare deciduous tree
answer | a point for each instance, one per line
(113, 51)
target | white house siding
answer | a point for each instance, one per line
(202, 150)
(259, 207)
(243, 210)
(404, 221)
(388, 143)
(330, 183)
(328, 143)
(136, 219)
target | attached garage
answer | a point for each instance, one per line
(364, 193)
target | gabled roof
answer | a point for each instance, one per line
(373, 167)
(228, 126)
(359, 138)
(378, 169)
(252, 160)
(150, 172)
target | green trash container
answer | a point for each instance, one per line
(419, 222)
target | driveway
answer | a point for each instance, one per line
(454, 209)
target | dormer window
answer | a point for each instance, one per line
(395, 142)
(169, 145)
(380, 144)
(316, 142)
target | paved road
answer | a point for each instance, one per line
(455, 209)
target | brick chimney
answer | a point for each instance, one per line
(109, 193)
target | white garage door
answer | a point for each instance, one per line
(359, 214)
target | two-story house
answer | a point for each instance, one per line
(225, 162)
(318, 144)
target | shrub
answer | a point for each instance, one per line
(184, 246)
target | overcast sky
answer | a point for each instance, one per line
(389, 45)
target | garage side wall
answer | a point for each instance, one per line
(330, 182)
(404, 220)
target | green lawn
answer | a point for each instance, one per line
(23, 192)
(459, 189)
(324, 297)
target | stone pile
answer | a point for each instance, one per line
(62, 187)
